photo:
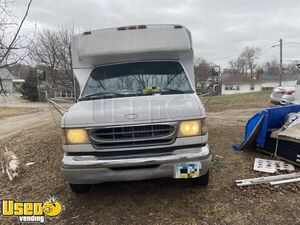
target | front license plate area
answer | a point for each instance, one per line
(187, 170)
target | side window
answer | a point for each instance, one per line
(252, 87)
(230, 87)
(226, 87)
(298, 81)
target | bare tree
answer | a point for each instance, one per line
(64, 51)
(246, 62)
(13, 45)
(44, 52)
(250, 55)
(290, 68)
(272, 67)
(202, 69)
(52, 50)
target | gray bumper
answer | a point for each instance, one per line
(90, 169)
(286, 99)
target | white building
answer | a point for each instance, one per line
(239, 84)
(7, 80)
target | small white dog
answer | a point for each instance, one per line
(10, 164)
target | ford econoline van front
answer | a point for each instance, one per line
(137, 119)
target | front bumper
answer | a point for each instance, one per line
(285, 99)
(93, 169)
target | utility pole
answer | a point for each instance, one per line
(280, 63)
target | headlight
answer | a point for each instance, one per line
(75, 136)
(192, 128)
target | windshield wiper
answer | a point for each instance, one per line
(175, 91)
(101, 94)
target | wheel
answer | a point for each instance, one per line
(80, 188)
(203, 180)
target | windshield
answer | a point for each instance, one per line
(141, 78)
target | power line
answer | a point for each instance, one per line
(267, 50)
(275, 53)
(292, 42)
(291, 60)
(264, 51)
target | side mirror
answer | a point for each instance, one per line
(40, 74)
(216, 71)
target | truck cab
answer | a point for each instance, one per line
(138, 115)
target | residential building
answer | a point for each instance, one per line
(234, 84)
(7, 80)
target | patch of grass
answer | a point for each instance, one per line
(238, 101)
(14, 111)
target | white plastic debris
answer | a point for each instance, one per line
(30, 163)
(271, 166)
(273, 180)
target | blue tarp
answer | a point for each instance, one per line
(271, 118)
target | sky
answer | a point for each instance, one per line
(220, 29)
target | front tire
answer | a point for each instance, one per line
(202, 181)
(80, 188)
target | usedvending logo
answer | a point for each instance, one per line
(32, 211)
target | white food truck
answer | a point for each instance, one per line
(138, 115)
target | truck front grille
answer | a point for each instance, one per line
(137, 135)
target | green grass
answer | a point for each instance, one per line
(238, 101)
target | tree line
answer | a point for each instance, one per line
(50, 49)
(246, 64)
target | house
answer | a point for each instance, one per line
(7, 80)
(234, 84)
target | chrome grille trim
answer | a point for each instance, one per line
(133, 135)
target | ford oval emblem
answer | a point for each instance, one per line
(131, 116)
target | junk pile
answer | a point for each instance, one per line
(275, 131)
(271, 166)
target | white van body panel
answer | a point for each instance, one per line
(154, 108)
(112, 46)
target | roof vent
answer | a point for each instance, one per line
(177, 26)
(142, 27)
(121, 28)
(133, 27)
(87, 32)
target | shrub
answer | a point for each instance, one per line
(29, 88)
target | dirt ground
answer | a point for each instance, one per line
(161, 201)
(14, 111)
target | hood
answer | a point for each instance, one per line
(133, 110)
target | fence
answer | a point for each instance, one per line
(64, 94)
